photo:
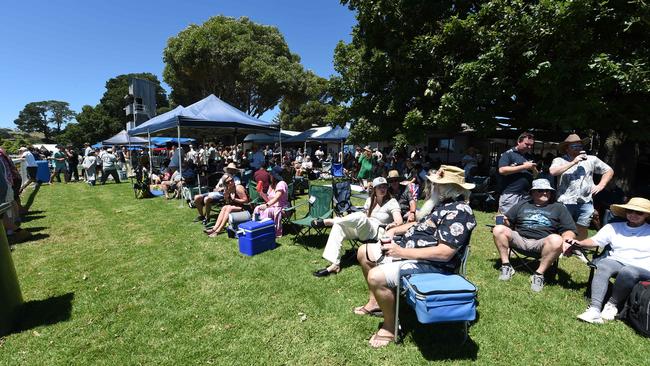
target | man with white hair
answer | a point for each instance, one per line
(434, 244)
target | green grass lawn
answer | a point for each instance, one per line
(114, 280)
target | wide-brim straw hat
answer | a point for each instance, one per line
(231, 168)
(367, 148)
(572, 139)
(634, 204)
(449, 174)
(393, 176)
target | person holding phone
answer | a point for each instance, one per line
(517, 170)
(576, 185)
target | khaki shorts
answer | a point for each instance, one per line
(531, 245)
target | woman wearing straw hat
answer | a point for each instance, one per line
(628, 258)
(576, 184)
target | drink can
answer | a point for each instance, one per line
(257, 216)
(499, 220)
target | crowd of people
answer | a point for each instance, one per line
(542, 209)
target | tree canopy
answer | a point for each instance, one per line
(246, 64)
(38, 116)
(556, 65)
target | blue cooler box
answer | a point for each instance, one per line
(42, 171)
(256, 237)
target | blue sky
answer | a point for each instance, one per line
(66, 50)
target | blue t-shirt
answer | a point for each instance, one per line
(535, 222)
(518, 183)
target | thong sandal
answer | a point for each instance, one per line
(362, 310)
(384, 340)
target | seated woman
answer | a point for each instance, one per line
(628, 258)
(432, 245)
(169, 185)
(234, 198)
(276, 198)
(380, 209)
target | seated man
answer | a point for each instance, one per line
(433, 245)
(538, 225)
(203, 202)
(403, 195)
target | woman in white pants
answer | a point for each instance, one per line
(380, 209)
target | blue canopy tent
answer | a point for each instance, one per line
(269, 138)
(208, 113)
(336, 134)
(123, 138)
(162, 141)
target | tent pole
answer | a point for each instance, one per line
(281, 154)
(150, 154)
(180, 155)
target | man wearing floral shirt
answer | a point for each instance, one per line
(435, 244)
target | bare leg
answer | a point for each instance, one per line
(198, 202)
(222, 219)
(208, 206)
(385, 297)
(366, 266)
(501, 235)
(550, 252)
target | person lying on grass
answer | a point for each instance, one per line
(234, 198)
(432, 245)
(380, 209)
(628, 259)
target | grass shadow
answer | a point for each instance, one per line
(29, 218)
(49, 311)
(32, 195)
(312, 240)
(560, 277)
(439, 342)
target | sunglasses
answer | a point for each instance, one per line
(542, 191)
(576, 146)
(381, 186)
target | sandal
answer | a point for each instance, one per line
(318, 223)
(363, 310)
(380, 341)
(214, 234)
(208, 231)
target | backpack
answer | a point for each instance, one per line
(637, 308)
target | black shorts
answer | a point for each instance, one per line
(31, 172)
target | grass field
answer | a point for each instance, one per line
(113, 280)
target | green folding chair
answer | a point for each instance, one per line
(255, 198)
(320, 207)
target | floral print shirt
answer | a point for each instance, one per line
(450, 222)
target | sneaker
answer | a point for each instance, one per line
(537, 282)
(592, 315)
(609, 312)
(506, 273)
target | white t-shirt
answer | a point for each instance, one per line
(29, 158)
(630, 245)
(383, 214)
(576, 182)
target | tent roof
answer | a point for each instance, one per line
(209, 112)
(268, 138)
(310, 134)
(123, 138)
(162, 141)
(338, 133)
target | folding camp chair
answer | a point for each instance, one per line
(254, 197)
(320, 207)
(455, 303)
(337, 170)
(526, 258)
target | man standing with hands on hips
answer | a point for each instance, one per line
(576, 185)
(518, 171)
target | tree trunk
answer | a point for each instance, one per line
(623, 156)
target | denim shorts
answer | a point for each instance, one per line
(581, 212)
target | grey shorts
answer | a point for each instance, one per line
(507, 200)
(531, 245)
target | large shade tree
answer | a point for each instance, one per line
(246, 64)
(553, 65)
(39, 116)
